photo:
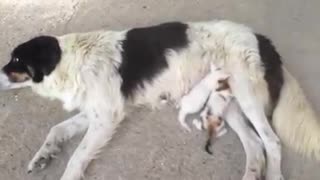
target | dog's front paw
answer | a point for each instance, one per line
(43, 157)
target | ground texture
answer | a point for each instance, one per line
(149, 145)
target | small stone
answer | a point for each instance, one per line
(16, 98)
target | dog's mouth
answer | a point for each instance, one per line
(16, 77)
(14, 80)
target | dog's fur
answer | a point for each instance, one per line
(99, 72)
(197, 98)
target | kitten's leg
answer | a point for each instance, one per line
(182, 120)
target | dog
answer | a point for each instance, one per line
(196, 99)
(100, 73)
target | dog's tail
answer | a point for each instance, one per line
(295, 121)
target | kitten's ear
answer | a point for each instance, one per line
(224, 78)
(223, 82)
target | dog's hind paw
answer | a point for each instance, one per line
(275, 177)
(252, 176)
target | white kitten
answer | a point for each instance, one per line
(213, 113)
(199, 95)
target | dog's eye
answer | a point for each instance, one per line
(15, 59)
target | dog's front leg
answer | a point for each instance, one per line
(103, 122)
(57, 135)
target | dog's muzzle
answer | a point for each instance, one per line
(6, 84)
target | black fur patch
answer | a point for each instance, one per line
(143, 55)
(273, 67)
(37, 57)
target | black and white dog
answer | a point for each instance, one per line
(99, 73)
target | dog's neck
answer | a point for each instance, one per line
(81, 52)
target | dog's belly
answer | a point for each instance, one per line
(184, 73)
(181, 75)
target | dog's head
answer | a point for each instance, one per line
(31, 61)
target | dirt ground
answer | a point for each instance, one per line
(149, 145)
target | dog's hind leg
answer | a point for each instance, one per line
(253, 147)
(243, 90)
(57, 135)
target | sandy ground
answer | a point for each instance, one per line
(149, 145)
